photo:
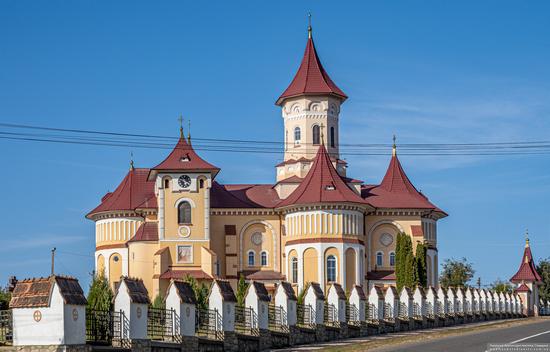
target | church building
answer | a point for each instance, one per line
(315, 223)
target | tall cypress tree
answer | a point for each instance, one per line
(399, 262)
(421, 268)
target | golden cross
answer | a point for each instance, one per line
(309, 24)
(180, 119)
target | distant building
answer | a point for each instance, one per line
(313, 224)
(528, 281)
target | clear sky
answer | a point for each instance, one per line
(428, 71)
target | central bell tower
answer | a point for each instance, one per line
(310, 110)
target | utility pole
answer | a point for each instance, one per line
(53, 261)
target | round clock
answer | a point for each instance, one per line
(184, 181)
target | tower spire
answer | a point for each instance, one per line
(394, 147)
(189, 131)
(526, 238)
(180, 119)
(131, 161)
(309, 30)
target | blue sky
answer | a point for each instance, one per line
(428, 71)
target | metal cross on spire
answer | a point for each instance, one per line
(309, 24)
(180, 119)
(189, 131)
(394, 147)
(322, 134)
(526, 237)
(131, 160)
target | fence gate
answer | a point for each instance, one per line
(6, 327)
(160, 324)
(103, 326)
(208, 323)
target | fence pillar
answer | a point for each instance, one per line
(315, 297)
(257, 298)
(222, 298)
(132, 299)
(285, 297)
(180, 298)
(358, 301)
(337, 298)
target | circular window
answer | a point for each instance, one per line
(115, 258)
(257, 238)
(386, 239)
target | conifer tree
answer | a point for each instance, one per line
(201, 292)
(399, 262)
(100, 295)
(421, 267)
(242, 286)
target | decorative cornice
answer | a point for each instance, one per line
(324, 240)
(243, 211)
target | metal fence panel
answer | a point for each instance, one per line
(246, 321)
(6, 327)
(160, 324)
(208, 323)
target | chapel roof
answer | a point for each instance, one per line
(360, 292)
(260, 290)
(184, 157)
(185, 292)
(226, 290)
(288, 290)
(317, 290)
(135, 289)
(397, 191)
(322, 184)
(37, 292)
(311, 77)
(527, 270)
(339, 290)
(134, 192)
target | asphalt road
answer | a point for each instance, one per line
(477, 342)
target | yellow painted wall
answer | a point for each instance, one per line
(350, 268)
(310, 265)
(142, 263)
(115, 268)
(100, 265)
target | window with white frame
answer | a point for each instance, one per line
(294, 264)
(263, 258)
(379, 259)
(297, 135)
(251, 258)
(316, 135)
(392, 258)
(331, 268)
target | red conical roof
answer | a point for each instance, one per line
(184, 157)
(527, 270)
(311, 78)
(397, 191)
(322, 184)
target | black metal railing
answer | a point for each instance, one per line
(208, 323)
(352, 314)
(371, 313)
(160, 324)
(330, 315)
(246, 321)
(6, 327)
(277, 318)
(403, 311)
(417, 311)
(305, 315)
(388, 311)
(104, 327)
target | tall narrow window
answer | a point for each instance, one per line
(379, 259)
(201, 183)
(294, 270)
(263, 258)
(316, 135)
(166, 183)
(332, 141)
(251, 258)
(331, 268)
(297, 135)
(184, 213)
(392, 259)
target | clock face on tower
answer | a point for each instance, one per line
(184, 181)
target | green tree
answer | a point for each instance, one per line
(201, 292)
(100, 295)
(159, 303)
(421, 268)
(242, 287)
(302, 294)
(405, 270)
(502, 286)
(5, 297)
(544, 271)
(456, 273)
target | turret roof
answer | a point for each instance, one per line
(397, 191)
(311, 78)
(322, 184)
(527, 270)
(184, 157)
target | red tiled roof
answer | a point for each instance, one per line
(184, 157)
(311, 78)
(322, 184)
(527, 270)
(397, 191)
(381, 275)
(523, 288)
(417, 231)
(243, 196)
(182, 274)
(148, 231)
(133, 192)
(37, 292)
(262, 275)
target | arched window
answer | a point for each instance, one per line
(392, 259)
(263, 258)
(316, 135)
(251, 258)
(331, 268)
(201, 183)
(184, 213)
(297, 135)
(332, 141)
(166, 183)
(379, 259)
(294, 264)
